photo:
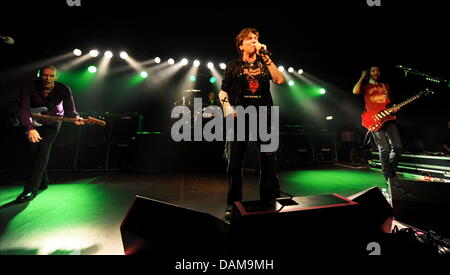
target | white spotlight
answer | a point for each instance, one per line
(196, 63)
(157, 60)
(171, 61)
(123, 55)
(291, 70)
(223, 66)
(93, 53)
(77, 52)
(210, 65)
(281, 68)
(108, 54)
(184, 61)
(300, 71)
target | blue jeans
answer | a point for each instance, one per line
(389, 145)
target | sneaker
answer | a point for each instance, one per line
(228, 212)
(387, 194)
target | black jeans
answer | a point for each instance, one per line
(389, 145)
(269, 186)
(40, 153)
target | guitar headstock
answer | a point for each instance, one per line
(426, 92)
(91, 120)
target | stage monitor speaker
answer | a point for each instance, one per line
(91, 156)
(423, 204)
(378, 213)
(160, 230)
(62, 156)
(311, 225)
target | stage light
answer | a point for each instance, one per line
(144, 74)
(291, 70)
(157, 60)
(210, 65)
(281, 68)
(108, 54)
(223, 66)
(291, 83)
(300, 71)
(123, 55)
(192, 78)
(212, 80)
(77, 52)
(171, 61)
(92, 69)
(196, 63)
(93, 53)
(184, 61)
(329, 118)
(322, 91)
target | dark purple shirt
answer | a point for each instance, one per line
(59, 102)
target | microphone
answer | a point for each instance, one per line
(263, 51)
(7, 39)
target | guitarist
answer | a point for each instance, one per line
(387, 138)
(57, 97)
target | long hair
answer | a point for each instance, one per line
(242, 35)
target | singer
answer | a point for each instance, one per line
(57, 97)
(247, 82)
(387, 138)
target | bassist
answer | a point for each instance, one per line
(57, 97)
(387, 138)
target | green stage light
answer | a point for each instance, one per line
(192, 78)
(144, 74)
(291, 83)
(212, 80)
(322, 91)
(92, 69)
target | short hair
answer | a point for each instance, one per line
(242, 35)
(48, 67)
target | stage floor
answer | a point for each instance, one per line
(81, 212)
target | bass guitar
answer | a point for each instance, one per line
(37, 116)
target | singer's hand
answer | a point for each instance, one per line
(259, 46)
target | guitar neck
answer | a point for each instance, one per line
(409, 100)
(55, 118)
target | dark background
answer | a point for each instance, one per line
(331, 40)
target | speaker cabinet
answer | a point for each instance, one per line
(162, 230)
(325, 145)
(119, 156)
(62, 156)
(378, 212)
(91, 156)
(322, 224)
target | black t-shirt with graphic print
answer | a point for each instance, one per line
(247, 83)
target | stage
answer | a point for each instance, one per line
(81, 212)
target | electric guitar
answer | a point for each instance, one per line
(36, 116)
(373, 120)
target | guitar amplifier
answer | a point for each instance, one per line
(62, 156)
(91, 156)
(325, 146)
(124, 126)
